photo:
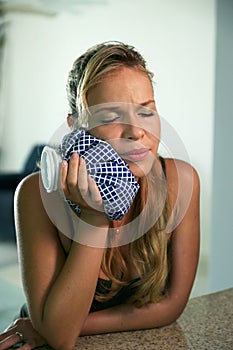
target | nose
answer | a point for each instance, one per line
(132, 132)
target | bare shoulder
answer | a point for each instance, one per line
(28, 189)
(181, 177)
(32, 221)
(29, 183)
(176, 168)
(28, 201)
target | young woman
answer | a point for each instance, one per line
(74, 289)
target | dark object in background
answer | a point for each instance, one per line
(8, 184)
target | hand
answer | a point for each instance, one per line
(31, 338)
(78, 186)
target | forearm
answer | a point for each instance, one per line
(128, 317)
(68, 301)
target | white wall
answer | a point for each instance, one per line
(176, 36)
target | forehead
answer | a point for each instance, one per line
(126, 84)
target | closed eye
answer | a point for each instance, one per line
(146, 112)
(109, 118)
(108, 121)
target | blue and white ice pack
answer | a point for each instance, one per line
(117, 185)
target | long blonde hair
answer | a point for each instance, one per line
(149, 255)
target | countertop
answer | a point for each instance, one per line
(206, 323)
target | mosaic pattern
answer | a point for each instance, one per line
(117, 185)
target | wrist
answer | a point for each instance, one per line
(94, 218)
(92, 229)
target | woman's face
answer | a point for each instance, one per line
(124, 114)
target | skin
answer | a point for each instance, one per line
(59, 275)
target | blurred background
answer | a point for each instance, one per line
(187, 44)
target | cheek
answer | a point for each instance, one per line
(142, 169)
(111, 134)
(155, 144)
(154, 128)
(104, 132)
(153, 135)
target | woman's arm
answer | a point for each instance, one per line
(59, 290)
(185, 253)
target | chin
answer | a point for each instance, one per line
(139, 170)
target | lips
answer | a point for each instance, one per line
(136, 154)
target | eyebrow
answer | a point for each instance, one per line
(114, 108)
(110, 108)
(147, 103)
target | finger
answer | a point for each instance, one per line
(8, 331)
(82, 179)
(27, 346)
(94, 191)
(63, 176)
(72, 175)
(9, 341)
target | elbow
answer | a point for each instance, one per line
(177, 312)
(168, 319)
(176, 305)
(174, 317)
(60, 334)
(62, 343)
(172, 312)
(58, 338)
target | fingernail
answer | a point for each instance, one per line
(75, 155)
(64, 163)
(81, 161)
(89, 179)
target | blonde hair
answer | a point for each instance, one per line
(91, 67)
(149, 255)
